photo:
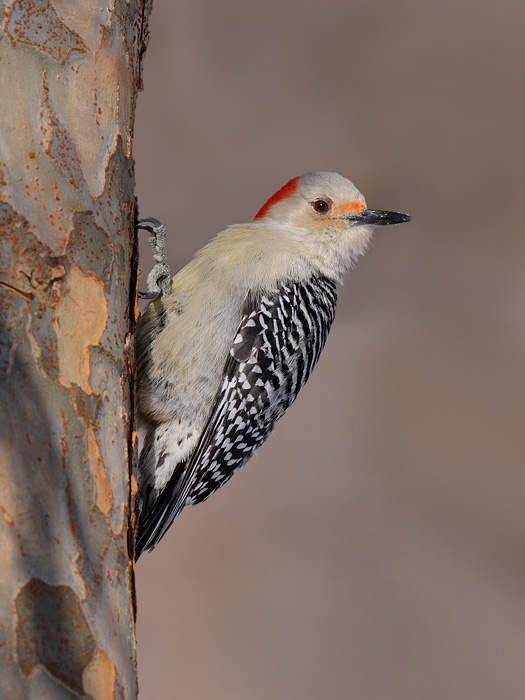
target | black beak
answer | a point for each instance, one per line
(377, 217)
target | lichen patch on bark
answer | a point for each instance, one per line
(68, 646)
(80, 319)
(37, 24)
(99, 677)
(9, 520)
(103, 497)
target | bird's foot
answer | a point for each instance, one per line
(159, 279)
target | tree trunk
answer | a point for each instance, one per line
(70, 73)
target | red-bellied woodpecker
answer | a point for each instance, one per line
(226, 353)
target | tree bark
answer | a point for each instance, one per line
(70, 73)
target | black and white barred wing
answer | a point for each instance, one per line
(273, 353)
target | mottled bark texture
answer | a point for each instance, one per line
(69, 76)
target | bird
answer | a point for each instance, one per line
(223, 356)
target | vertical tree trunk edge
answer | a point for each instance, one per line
(68, 278)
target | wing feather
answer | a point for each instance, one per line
(272, 355)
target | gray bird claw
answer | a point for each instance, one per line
(159, 279)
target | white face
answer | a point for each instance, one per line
(328, 215)
(316, 209)
(324, 201)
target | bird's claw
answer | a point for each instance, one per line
(159, 279)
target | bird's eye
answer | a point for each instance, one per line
(321, 206)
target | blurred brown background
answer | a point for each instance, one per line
(374, 550)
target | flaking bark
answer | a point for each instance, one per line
(70, 73)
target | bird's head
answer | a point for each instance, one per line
(329, 216)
